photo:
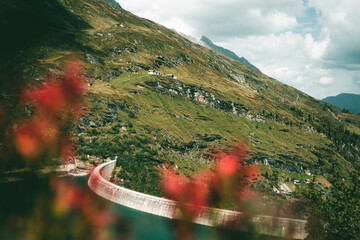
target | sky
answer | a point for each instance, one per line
(312, 45)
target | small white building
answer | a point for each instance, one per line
(171, 76)
(152, 72)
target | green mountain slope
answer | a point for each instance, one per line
(346, 101)
(227, 52)
(114, 2)
(151, 122)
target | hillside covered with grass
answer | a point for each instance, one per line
(154, 122)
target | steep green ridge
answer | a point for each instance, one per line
(113, 2)
(348, 101)
(227, 52)
(151, 122)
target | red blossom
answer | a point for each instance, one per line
(228, 165)
(50, 98)
(27, 141)
(70, 197)
(198, 192)
(174, 186)
(67, 196)
(222, 183)
(74, 80)
(57, 102)
(193, 192)
(60, 92)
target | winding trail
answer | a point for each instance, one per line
(266, 225)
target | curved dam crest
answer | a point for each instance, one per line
(213, 217)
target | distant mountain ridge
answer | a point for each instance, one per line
(346, 101)
(113, 2)
(227, 52)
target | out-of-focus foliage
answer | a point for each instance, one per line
(56, 208)
(49, 207)
(41, 132)
(225, 184)
(335, 215)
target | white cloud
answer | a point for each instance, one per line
(295, 60)
(285, 73)
(316, 49)
(326, 80)
(179, 25)
(219, 18)
(340, 20)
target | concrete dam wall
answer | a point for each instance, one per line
(266, 225)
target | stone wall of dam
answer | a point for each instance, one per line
(266, 225)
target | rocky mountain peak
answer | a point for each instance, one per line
(207, 42)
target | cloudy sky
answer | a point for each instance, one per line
(313, 45)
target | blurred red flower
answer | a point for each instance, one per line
(50, 98)
(27, 141)
(228, 165)
(58, 103)
(174, 186)
(221, 184)
(70, 197)
(198, 193)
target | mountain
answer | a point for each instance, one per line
(346, 101)
(157, 100)
(113, 2)
(227, 52)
